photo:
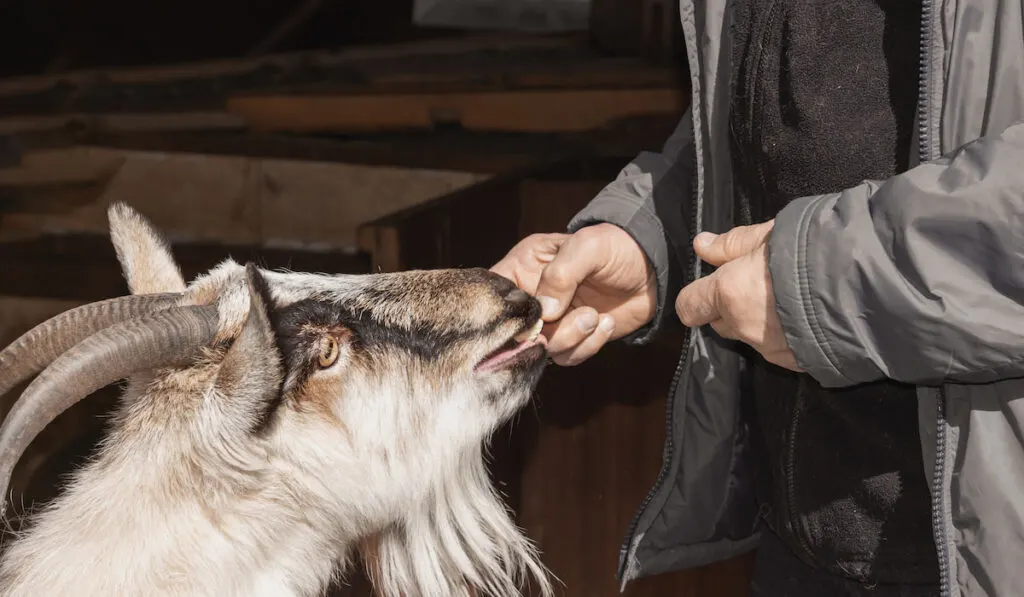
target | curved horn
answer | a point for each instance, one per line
(159, 339)
(38, 347)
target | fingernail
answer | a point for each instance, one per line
(587, 322)
(607, 324)
(548, 306)
(704, 239)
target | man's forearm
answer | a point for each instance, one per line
(919, 278)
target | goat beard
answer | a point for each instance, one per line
(460, 541)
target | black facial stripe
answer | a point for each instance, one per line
(423, 341)
(292, 339)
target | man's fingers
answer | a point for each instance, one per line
(698, 303)
(523, 263)
(576, 260)
(589, 346)
(571, 329)
(719, 249)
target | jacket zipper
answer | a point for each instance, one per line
(925, 154)
(939, 504)
(666, 456)
(681, 368)
(794, 519)
(763, 30)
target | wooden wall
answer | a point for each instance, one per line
(218, 198)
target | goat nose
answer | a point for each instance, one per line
(518, 304)
(517, 297)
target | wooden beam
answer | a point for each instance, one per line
(240, 200)
(476, 153)
(122, 123)
(458, 49)
(52, 191)
(560, 111)
(381, 244)
(540, 212)
(452, 150)
(83, 267)
(482, 63)
(55, 198)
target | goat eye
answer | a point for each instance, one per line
(328, 352)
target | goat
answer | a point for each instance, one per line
(276, 426)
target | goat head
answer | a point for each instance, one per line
(274, 425)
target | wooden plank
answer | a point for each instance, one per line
(122, 123)
(26, 190)
(479, 153)
(83, 267)
(450, 150)
(473, 64)
(501, 188)
(231, 199)
(538, 213)
(49, 198)
(382, 245)
(387, 256)
(519, 111)
(567, 73)
(434, 49)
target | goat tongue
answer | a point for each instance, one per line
(497, 359)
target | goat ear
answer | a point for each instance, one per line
(252, 373)
(144, 253)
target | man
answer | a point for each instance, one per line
(848, 396)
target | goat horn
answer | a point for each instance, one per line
(159, 339)
(38, 347)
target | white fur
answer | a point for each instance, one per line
(182, 500)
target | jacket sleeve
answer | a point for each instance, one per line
(650, 199)
(919, 278)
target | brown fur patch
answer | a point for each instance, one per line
(317, 397)
(369, 553)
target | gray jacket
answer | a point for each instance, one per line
(919, 278)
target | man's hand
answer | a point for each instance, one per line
(737, 298)
(594, 285)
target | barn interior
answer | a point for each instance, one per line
(351, 136)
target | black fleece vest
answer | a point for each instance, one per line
(824, 97)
